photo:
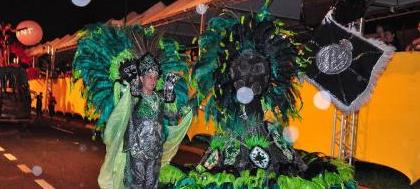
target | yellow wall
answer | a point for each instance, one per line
(389, 124)
(67, 95)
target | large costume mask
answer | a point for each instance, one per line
(250, 70)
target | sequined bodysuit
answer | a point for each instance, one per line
(144, 142)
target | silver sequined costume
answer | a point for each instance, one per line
(143, 141)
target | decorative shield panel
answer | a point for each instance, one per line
(347, 64)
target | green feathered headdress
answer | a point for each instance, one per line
(229, 36)
(98, 56)
(103, 48)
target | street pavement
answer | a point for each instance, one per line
(53, 156)
(57, 153)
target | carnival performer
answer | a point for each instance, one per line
(145, 135)
(120, 69)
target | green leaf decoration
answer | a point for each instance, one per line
(257, 140)
(170, 174)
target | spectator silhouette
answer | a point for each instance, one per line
(51, 105)
(380, 33)
(415, 44)
(391, 39)
(39, 105)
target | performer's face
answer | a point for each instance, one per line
(149, 81)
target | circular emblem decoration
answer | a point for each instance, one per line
(335, 58)
(259, 157)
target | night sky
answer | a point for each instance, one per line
(61, 17)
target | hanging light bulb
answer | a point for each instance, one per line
(201, 8)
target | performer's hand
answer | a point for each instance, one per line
(168, 90)
(171, 78)
(128, 70)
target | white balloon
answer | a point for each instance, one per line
(322, 100)
(291, 134)
(201, 8)
(244, 95)
(80, 3)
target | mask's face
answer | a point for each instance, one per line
(251, 70)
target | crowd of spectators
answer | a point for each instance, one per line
(415, 43)
(389, 37)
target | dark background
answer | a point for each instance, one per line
(60, 17)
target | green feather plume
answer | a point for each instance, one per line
(171, 61)
(96, 62)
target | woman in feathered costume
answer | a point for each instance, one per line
(120, 72)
